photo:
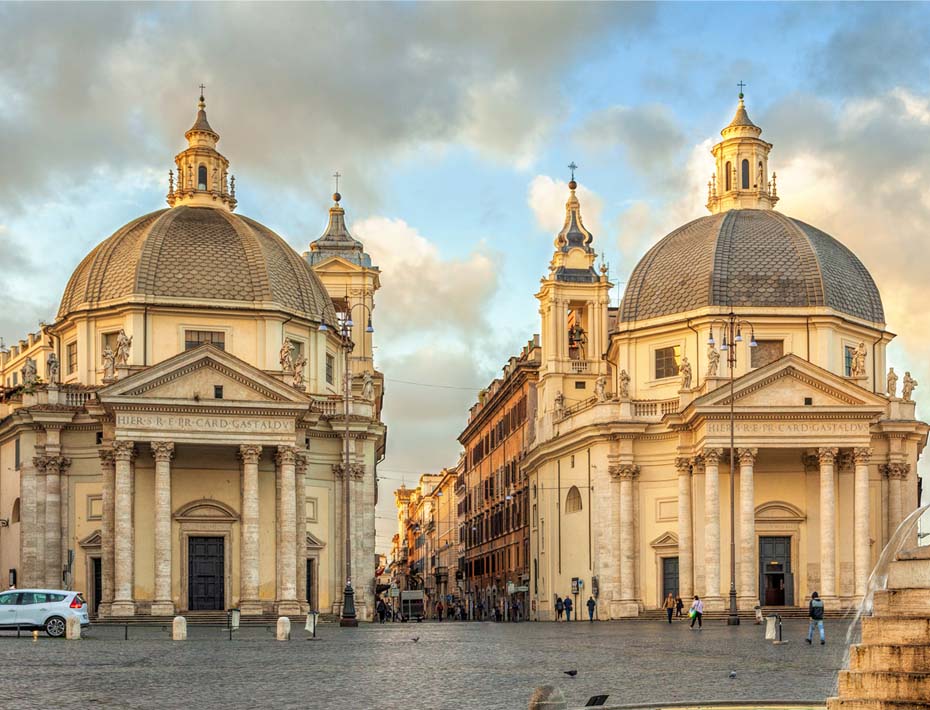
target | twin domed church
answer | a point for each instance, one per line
(178, 439)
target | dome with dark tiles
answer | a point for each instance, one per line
(196, 257)
(749, 258)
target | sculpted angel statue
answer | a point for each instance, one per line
(857, 369)
(123, 346)
(892, 383)
(29, 372)
(109, 362)
(298, 380)
(285, 357)
(713, 360)
(51, 368)
(368, 387)
(685, 370)
(600, 389)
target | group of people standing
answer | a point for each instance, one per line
(675, 606)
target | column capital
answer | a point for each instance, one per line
(250, 453)
(697, 465)
(124, 450)
(683, 465)
(356, 470)
(301, 463)
(827, 455)
(285, 455)
(625, 471)
(845, 460)
(712, 456)
(56, 464)
(162, 450)
(862, 454)
(107, 455)
(40, 462)
(896, 470)
(747, 457)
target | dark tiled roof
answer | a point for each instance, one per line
(336, 241)
(749, 258)
(197, 253)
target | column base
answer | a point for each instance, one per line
(287, 607)
(624, 609)
(746, 603)
(105, 609)
(162, 608)
(250, 607)
(123, 608)
(715, 603)
(831, 601)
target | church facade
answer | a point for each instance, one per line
(174, 441)
(745, 316)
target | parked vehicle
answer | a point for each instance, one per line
(46, 609)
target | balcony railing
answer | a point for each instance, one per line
(580, 367)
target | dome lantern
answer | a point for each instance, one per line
(574, 257)
(202, 171)
(741, 180)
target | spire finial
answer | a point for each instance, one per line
(202, 104)
(741, 86)
(572, 184)
(336, 195)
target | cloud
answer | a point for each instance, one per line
(547, 196)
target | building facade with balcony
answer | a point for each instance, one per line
(173, 441)
(493, 502)
(629, 465)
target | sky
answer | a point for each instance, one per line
(452, 125)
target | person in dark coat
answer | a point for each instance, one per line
(559, 608)
(815, 612)
(592, 605)
(567, 603)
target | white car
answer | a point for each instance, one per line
(46, 609)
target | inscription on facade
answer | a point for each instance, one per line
(795, 428)
(186, 422)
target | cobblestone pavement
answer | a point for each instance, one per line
(453, 665)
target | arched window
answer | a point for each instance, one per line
(573, 500)
(761, 178)
(729, 172)
(745, 175)
(202, 177)
(14, 516)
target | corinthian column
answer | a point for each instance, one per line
(685, 541)
(287, 544)
(163, 451)
(613, 564)
(107, 466)
(862, 552)
(124, 546)
(40, 543)
(747, 528)
(896, 472)
(628, 604)
(300, 471)
(250, 454)
(712, 529)
(53, 561)
(827, 458)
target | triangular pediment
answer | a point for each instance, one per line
(791, 382)
(666, 539)
(94, 540)
(193, 375)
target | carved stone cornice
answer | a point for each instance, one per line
(124, 450)
(162, 451)
(683, 465)
(826, 455)
(712, 456)
(250, 453)
(896, 470)
(285, 455)
(747, 457)
(861, 455)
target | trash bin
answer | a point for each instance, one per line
(771, 622)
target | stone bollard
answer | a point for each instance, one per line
(547, 697)
(284, 629)
(73, 628)
(179, 629)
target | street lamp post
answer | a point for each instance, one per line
(345, 324)
(731, 330)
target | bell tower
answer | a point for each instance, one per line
(573, 302)
(742, 157)
(202, 179)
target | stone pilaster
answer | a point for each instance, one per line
(628, 604)
(250, 455)
(827, 457)
(107, 471)
(614, 526)
(748, 596)
(287, 544)
(300, 470)
(698, 475)
(861, 524)
(27, 538)
(40, 541)
(162, 604)
(53, 561)
(124, 541)
(712, 599)
(685, 538)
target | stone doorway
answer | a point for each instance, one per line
(669, 577)
(776, 583)
(206, 560)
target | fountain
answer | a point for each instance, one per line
(890, 668)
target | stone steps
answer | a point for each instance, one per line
(890, 658)
(902, 603)
(880, 631)
(865, 704)
(875, 685)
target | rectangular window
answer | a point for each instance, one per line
(16, 455)
(71, 357)
(196, 338)
(766, 351)
(849, 354)
(330, 369)
(217, 391)
(667, 361)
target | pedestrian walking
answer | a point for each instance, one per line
(382, 610)
(669, 606)
(480, 608)
(697, 612)
(679, 606)
(592, 605)
(439, 609)
(559, 608)
(815, 612)
(568, 608)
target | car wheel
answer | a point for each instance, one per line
(55, 627)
